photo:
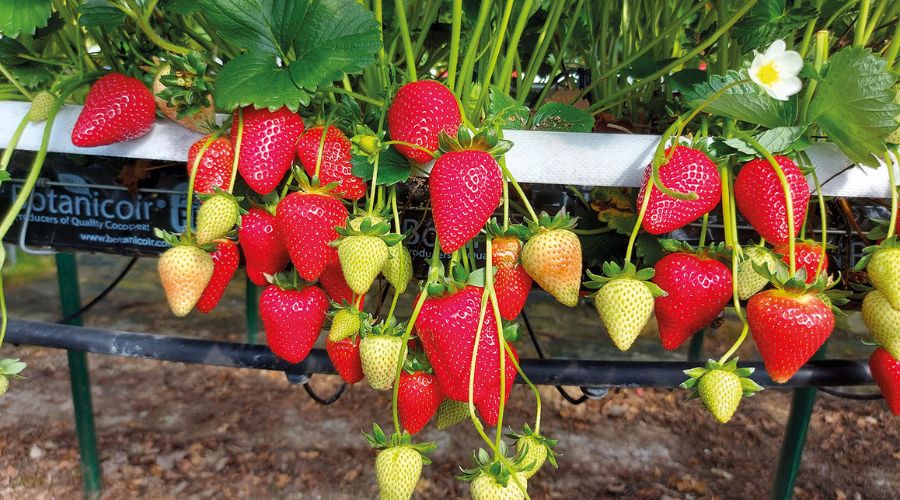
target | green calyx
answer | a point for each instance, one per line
(187, 88)
(366, 225)
(485, 465)
(717, 251)
(748, 386)
(547, 222)
(365, 141)
(483, 140)
(495, 230)
(535, 438)
(779, 275)
(287, 280)
(612, 271)
(417, 361)
(380, 441)
(176, 240)
(311, 186)
(389, 327)
(870, 251)
(438, 284)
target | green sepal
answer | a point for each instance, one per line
(546, 222)
(781, 278)
(380, 441)
(510, 331)
(748, 386)
(389, 327)
(869, 251)
(417, 361)
(286, 280)
(11, 368)
(175, 240)
(495, 230)
(717, 251)
(613, 271)
(484, 465)
(483, 140)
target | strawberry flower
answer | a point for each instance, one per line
(776, 70)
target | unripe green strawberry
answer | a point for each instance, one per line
(397, 470)
(451, 412)
(625, 305)
(721, 392)
(184, 271)
(533, 456)
(40, 106)
(749, 282)
(884, 273)
(397, 268)
(883, 321)
(362, 257)
(379, 355)
(344, 324)
(485, 487)
(216, 217)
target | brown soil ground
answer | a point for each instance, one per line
(169, 430)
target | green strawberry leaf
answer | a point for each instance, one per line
(4, 176)
(100, 14)
(393, 167)
(23, 16)
(854, 104)
(562, 117)
(745, 102)
(336, 37)
(770, 20)
(183, 7)
(506, 111)
(255, 78)
(292, 47)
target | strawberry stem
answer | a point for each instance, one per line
(393, 303)
(193, 177)
(505, 204)
(788, 197)
(410, 145)
(518, 189)
(730, 223)
(406, 333)
(237, 149)
(892, 225)
(823, 241)
(455, 29)
(400, 13)
(13, 142)
(703, 228)
(637, 224)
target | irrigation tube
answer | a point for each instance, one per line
(584, 373)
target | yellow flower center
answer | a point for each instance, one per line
(768, 74)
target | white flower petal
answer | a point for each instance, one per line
(775, 49)
(789, 85)
(789, 64)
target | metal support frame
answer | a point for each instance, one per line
(252, 306)
(795, 439)
(70, 299)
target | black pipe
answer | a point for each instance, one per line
(584, 373)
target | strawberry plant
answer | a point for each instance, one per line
(326, 107)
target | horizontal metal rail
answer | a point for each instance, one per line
(575, 372)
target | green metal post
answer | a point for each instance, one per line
(70, 297)
(795, 439)
(696, 349)
(252, 312)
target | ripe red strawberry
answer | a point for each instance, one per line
(418, 114)
(263, 249)
(446, 327)
(332, 280)
(292, 320)
(760, 197)
(788, 329)
(267, 146)
(306, 223)
(688, 170)
(807, 256)
(418, 399)
(465, 187)
(698, 289)
(117, 108)
(335, 165)
(511, 282)
(214, 170)
(344, 355)
(225, 261)
(886, 372)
